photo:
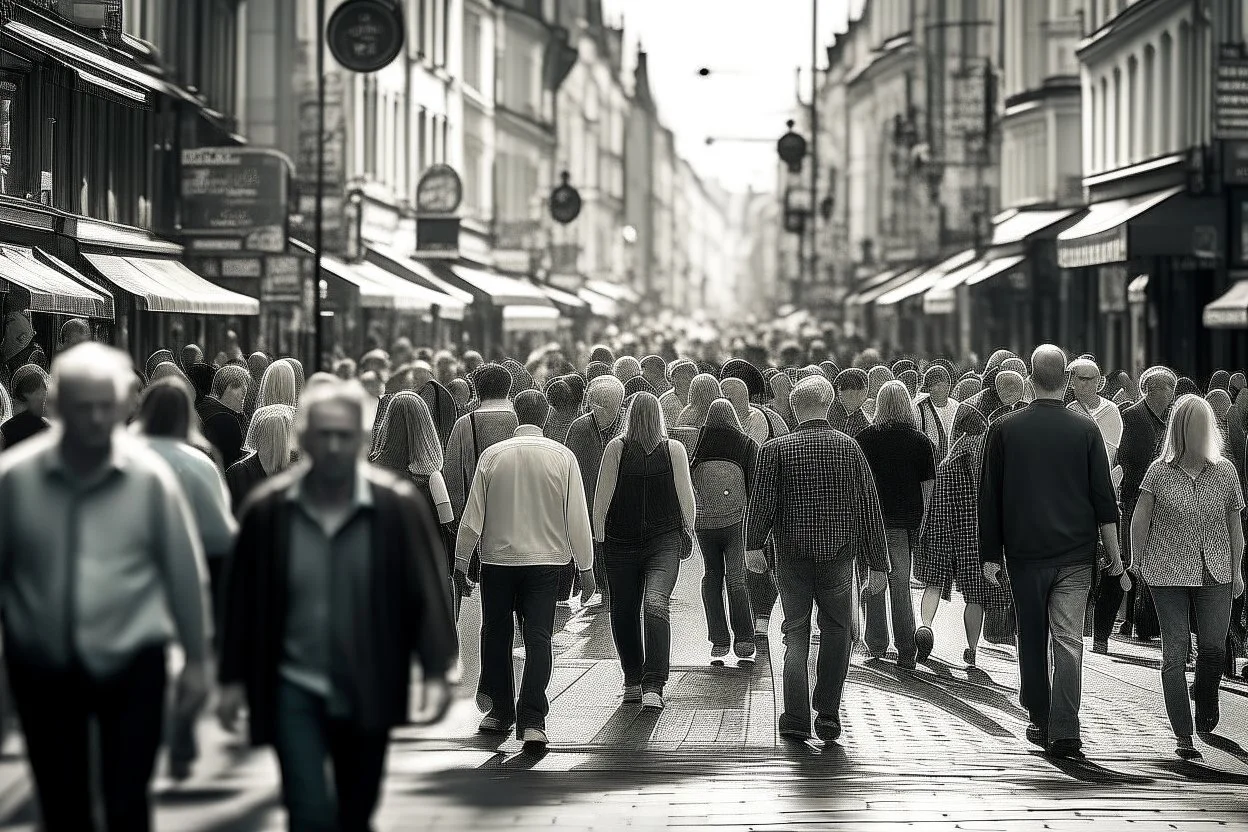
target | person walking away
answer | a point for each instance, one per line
(675, 400)
(221, 412)
(827, 520)
(565, 408)
(1010, 390)
(935, 411)
(270, 448)
(1143, 430)
(335, 585)
(90, 508)
(73, 332)
(30, 395)
(722, 470)
(845, 414)
(527, 512)
(902, 461)
(1187, 542)
(588, 438)
(644, 515)
(1046, 456)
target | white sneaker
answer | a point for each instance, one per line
(534, 737)
(652, 699)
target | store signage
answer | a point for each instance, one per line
(440, 191)
(235, 193)
(1235, 163)
(241, 267)
(437, 237)
(1230, 98)
(282, 280)
(365, 35)
(967, 111)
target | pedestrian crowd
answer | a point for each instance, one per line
(306, 542)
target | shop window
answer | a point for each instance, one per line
(14, 136)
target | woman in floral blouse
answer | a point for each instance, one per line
(1187, 542)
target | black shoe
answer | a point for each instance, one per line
(968, 656)
(827, 729)
(906, 664)
(1206, 721)
(924, 640)
(1068, 749)
(1186, 749)
(794, 734)
(1101, 647)
(1125, 629)
(1037, 736)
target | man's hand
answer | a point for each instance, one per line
(991, 573)
(588, 585)
(192, 690)
(230, 703)
(463, 585)
(877, 582)
(756, 561)
(435, 701)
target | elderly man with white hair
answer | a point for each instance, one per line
(103, 568)
(828, 520)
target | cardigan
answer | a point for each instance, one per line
(407, 597)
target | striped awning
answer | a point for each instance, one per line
(51, 290)
(599, 305)
(616, 291)
(169, 286)
(409, 296)
(567, 300)
(1101, 235)
(926, 280)
(372, 296)
(519, 318)
(416, 272)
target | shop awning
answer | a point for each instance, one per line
(1137, 289)
(50, 290)
(564, 300)
(941, 298)
(412, 297)
(866, 297)
(417, 272)
(500, 289)
(599, 305)
(372, 296)
(1231, 310)
(875, 280)
(66, 269)
(993, 268)
(1016, 226)
(523, 318)
(1165, 223)
(925, 280)
(616, 291)
(169, 286)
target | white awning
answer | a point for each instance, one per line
(855, 298)
(992, 268)
(1101, 236)
(521, 318)
(412, 297)
(869, 296)
(925, 280)
(417, 272)
(599, 305)
(616, 291)
(1231, 310)
(50, 290)
(1019, 225)
(501, 290)
(942, 297)
(169, 286)
(1137, 289)
(562, 298)
(372, 296)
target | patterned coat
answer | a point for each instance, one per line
(948, 547)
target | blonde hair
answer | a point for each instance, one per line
(1190, 416)
(645, 422)
(272, 437)
(892, 405)
(278, 386)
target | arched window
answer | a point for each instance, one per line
(1153, 117)
(1165, 86)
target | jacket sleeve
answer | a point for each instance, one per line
(185, 573)
(453, 468)
(576, 516)
(760, 511)
(991, 518)
(749, 463)
(434, 639)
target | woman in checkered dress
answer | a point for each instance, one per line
(948, 548)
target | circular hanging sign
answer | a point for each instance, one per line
(565, 201)
(365, 35)
(440, 191)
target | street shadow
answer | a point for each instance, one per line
(191, 795)
(256, 816)
(891, 679)
(1226, 744)
(1204, 773)
(523, 761)
(1087, 771)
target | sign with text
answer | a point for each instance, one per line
(1230, 99)
(1235, 163)
(365, 35)
(440, 191)
(236, 193)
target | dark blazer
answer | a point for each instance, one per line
(223, 428)
(1142, 435)
(407, 593)
(242, 477)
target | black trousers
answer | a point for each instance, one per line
(56, 708)
(529, 592)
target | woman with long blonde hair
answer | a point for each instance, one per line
(644, 515)
(271, 442)
(279, 385)
(1187, 543)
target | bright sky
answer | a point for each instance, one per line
(753, 49)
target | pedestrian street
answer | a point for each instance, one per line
(938, 748)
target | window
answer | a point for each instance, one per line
(474, 179)
(1150, 128)
(1104, 138)
(1165, 86)
(14, 136)
(1133, 114)
(370, 127)
(1183, 117)
(1117, 135)
(472, 50)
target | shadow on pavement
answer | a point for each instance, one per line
(1087, 771)
(1203, 773)
(1226, 744)
(891, 679)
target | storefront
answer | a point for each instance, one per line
(901, 324)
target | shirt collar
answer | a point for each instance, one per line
(361, 498)
(529, 430)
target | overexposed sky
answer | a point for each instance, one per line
(753, 49)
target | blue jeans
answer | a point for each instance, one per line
(1213, 618)
(642, 578)
(529, 591)
(308, 737)
(899, 600)
(723, 560)
(1051, 604)
(804, 584)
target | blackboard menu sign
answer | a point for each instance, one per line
(237, 193)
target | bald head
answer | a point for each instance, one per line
(1048, 372)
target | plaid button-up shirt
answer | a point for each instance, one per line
(814, 492)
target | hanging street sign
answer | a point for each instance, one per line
(565, 201)
(440, 191)
(365, 35)
(236, 196)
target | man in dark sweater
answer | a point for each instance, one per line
(221, 412)
(1044, 501)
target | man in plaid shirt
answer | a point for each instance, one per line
(814, 493)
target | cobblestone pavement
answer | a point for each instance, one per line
(938, 748)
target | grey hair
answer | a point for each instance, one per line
(1147, 377)
(604, 384)
(1048, 368)
(810, 393)
(345, 392)
(893, 406)
(93, 361)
